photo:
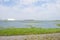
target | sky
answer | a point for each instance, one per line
(30, 9)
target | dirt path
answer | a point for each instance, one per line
(54, 36)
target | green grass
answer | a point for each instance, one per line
(58, 25)
(27, 31)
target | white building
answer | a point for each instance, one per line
(11, 19)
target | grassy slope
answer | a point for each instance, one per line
(27, 31)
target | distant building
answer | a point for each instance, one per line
(11, 19)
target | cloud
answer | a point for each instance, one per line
(30, 9)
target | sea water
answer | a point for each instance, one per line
(24, 24)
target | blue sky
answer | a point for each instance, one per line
(30, 9)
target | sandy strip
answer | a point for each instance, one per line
(54, 36)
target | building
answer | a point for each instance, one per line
(11, 19)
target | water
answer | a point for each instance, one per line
(44, 24)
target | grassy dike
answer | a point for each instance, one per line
(27, 31)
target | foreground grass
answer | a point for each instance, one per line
(27, 31)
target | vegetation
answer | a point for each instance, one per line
(27, 31)
(58, 25)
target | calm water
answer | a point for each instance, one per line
(44, 24)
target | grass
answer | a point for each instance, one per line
(27, 31)
(58, 25)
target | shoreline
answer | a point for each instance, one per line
(52, 36)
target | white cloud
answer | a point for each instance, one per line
(48, 11)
